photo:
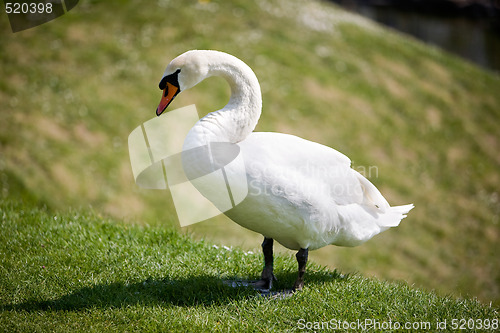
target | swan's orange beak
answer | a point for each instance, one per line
(168, 96)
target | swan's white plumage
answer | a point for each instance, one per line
(301, 193)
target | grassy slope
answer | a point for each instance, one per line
(81, 272)
(72, 90)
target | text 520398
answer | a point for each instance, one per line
(475, 324)
(28, 8)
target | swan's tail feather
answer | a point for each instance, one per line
(394, 215)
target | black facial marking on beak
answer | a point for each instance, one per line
(172, 78)
(170, 86)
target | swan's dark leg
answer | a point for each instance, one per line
(267, 276)
(302, 261)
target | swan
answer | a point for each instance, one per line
(302, 194)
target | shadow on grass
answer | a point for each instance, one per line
(190, 291)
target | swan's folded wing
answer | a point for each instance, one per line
(371, 195)
(308, 170)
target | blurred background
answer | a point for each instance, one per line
(425, 119)
(468, 28)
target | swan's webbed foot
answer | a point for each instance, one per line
(266, 281)
(301, 256)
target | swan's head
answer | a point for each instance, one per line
(182, 73)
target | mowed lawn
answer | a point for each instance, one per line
(78, 271)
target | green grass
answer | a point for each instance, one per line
(78, 271)
(72, 90)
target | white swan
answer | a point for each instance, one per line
(301, 193)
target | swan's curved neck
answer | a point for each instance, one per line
(239, 117)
